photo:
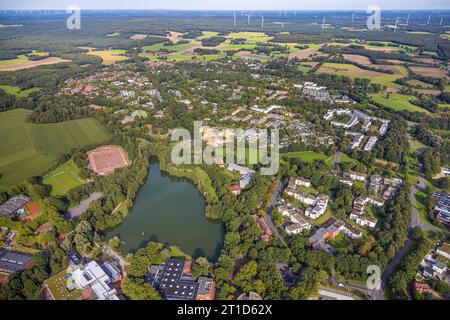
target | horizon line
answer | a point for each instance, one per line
(230, 10)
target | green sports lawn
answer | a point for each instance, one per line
(309, 156)
(30, 149)
(64, 178)
(16, 91)
(397, 102)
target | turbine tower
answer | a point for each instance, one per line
(407, 19)
(353, 17)
(428, 22)
(442, 19)
(323, 23)
(262, 22)
(234, 19)
(396, 22)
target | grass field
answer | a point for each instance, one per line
(421, 206)
(109, 56)
(208, 34)
(397, 102)
(30, 149)
(352, 71)
(304, 68)
(64, 178)
(16, 91)
(346, 159)
(250, 36)
(322, 219)
(416, 144)
(22, 62)
(309, 156)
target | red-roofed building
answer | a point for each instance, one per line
(235, 189)
(422, 287)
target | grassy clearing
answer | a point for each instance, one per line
(208, 34)
(352, 71)
(416, 144)
(251, 36)
(340, 241)
(421, 206)
(412, 173)
(176, 252)
(64, 178)
(30, 149)
(346, 159)
(322, 219)
(109, 56)
(16, 91)
(304, 69)
(22, 62)
(309, 156)
(244, 55)
(397, 102)
(20, 58)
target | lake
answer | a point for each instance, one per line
(170, 210)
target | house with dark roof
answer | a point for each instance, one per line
(173, 282)
(13, 204)
(12, 261)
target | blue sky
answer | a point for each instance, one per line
(227, 4)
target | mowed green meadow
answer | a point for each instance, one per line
(309, 156)
(397, 102)
(64, 178)
(31, 149)
(16, 91)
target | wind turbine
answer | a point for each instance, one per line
(323, 23)
(428, 22)
(353, 17)
(442, 19)
(396, 22)
(234, 19)
(248, 19)
(262, 22)
(407, 19)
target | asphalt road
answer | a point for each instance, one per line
(273, 202)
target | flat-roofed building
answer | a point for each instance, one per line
(13, 204)
(206, 289)
(444, 250)
(94, 281)
(12, 261)
(174, 284)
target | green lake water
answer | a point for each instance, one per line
(170, 210)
